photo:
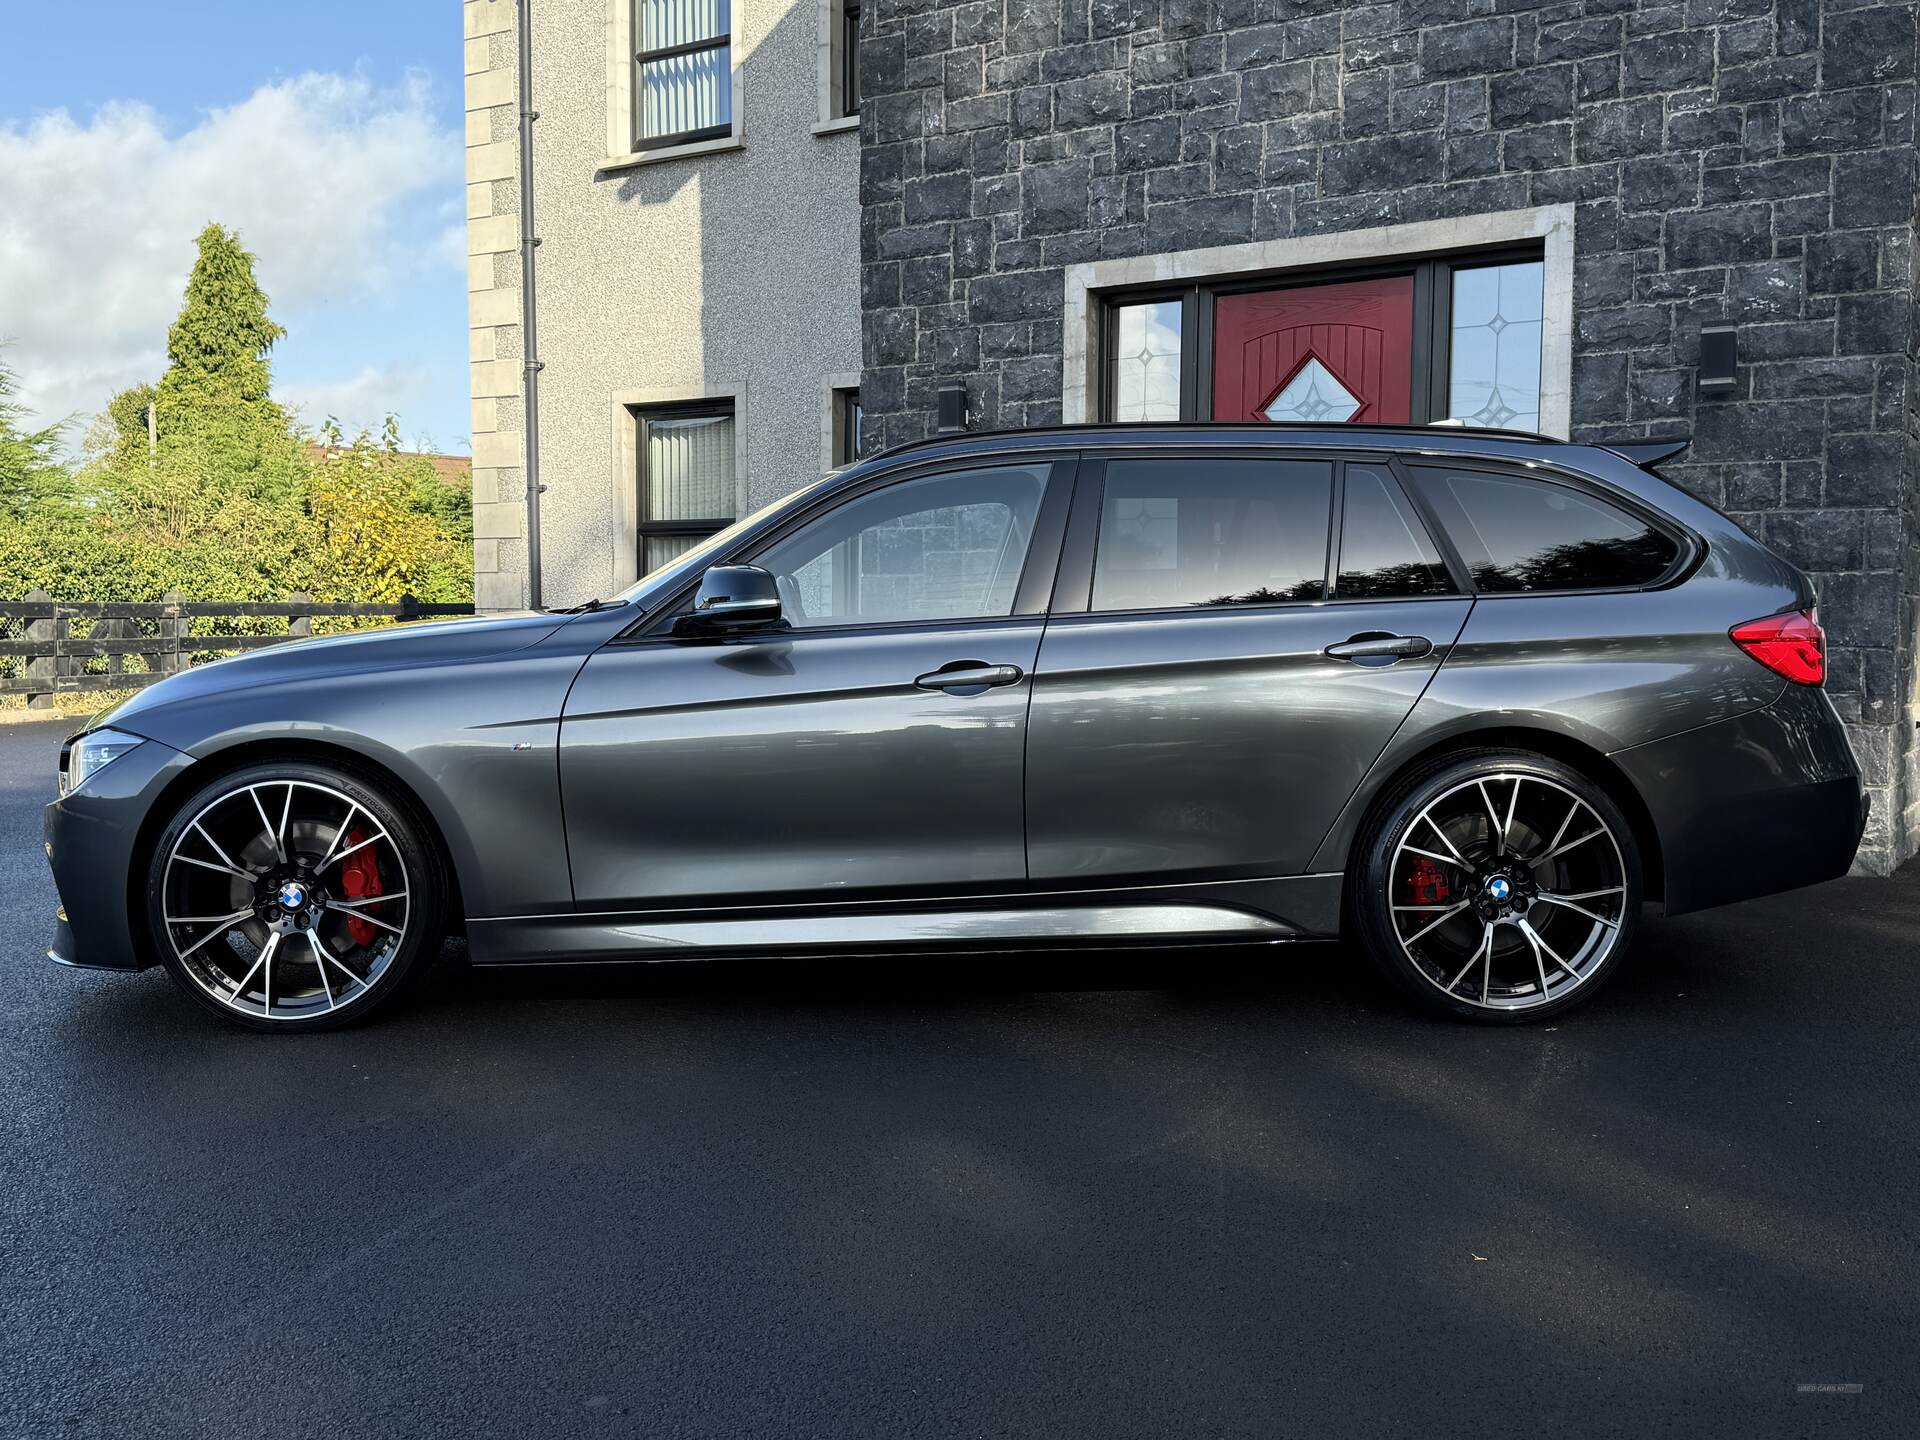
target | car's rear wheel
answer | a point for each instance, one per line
(294, 897)
(1498, 886)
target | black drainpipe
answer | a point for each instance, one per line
(529, 333)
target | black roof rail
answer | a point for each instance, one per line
(1647, 453)
(1251, 426)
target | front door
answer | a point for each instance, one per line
(1315, 353)
(873, 746)
(1212, 709)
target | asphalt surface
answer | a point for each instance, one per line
(1152, 1194)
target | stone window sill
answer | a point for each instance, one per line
(837, 126)
(672, 152)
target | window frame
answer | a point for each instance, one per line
(1032, 593)
(847, 420)
(645, 415)
(1432, 321)
(848, 60)
(640, 142)
(1689, 548)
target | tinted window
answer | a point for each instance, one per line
(942, 547)
(1519, 534)
(1384, 549)
(1212, 532)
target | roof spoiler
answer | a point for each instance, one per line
(1648, 453)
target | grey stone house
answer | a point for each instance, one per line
(1507, 213)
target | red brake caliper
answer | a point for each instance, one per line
(359, 878)
(1429, 883)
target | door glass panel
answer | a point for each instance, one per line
(942, 547)
(1384, 549)
(1493, 365)
(1517, 534)
(662, 549)
(1180, 531)
(1313, 394)
(1146, 361)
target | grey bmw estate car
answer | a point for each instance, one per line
(1470, 698)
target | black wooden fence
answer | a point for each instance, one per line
(50, 647)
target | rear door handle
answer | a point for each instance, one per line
(1376, 648)
(969, 675)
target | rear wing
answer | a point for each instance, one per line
(1648, 453)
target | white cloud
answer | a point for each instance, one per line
(325, 177)
(363, 400)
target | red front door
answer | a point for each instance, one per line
(1316, 352)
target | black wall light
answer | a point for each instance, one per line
(1719, 358)
(950, 408)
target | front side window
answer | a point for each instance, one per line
(941, 547)
(1518, 534)
(687, 480)
(1179, 531)
(683, 71)
(1385, 552)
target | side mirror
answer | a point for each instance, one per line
(733, 597)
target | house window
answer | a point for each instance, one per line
(687, 479)
(1145, 361)
(683, 71)
(849, 57)
(846, 427)
(1421, 341)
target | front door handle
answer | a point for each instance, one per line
(975, 675)
(1375, 647)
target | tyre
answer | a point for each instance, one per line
(1498, 886)
(294, 897)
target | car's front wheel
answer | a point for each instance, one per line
(1498, 886)
(293, 897)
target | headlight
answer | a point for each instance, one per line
(90, 753)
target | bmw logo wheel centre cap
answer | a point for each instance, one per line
(1499, 888)
(292, 895)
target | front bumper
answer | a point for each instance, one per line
(91, 840)
(1764, 802)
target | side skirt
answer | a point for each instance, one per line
(1301, 907)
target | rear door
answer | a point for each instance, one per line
(1226, 658)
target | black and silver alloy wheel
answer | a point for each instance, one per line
(291, 897)
(1501, 887)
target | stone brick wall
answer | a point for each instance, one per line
(1748, 161)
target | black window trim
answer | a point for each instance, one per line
(645, 415)
(642, 58)
(1432, 315)
(1689, 548)
(1031, 593)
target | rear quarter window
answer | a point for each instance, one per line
(1523, 535)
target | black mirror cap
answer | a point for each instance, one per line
(734, 597)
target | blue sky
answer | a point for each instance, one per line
(330, 133)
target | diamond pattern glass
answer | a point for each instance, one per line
(1146, 361)
(1312, 394)
(1494, 367)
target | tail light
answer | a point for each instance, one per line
(1792, 645)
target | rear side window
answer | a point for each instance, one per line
(1184, 531)
(1519, 534)
(1385, 552)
